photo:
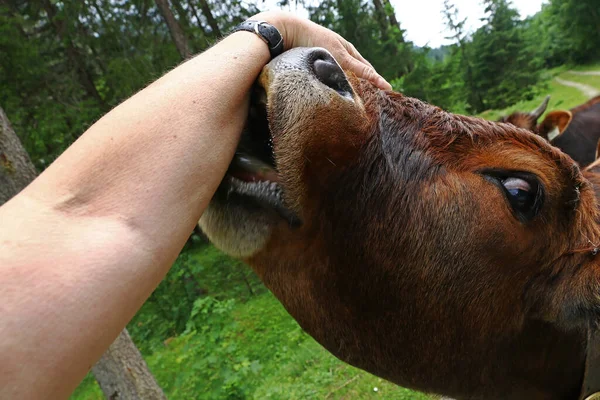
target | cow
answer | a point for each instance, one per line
(444, 253)
(528, 120)
(576, 131)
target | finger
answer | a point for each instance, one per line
(359, 56)
(382, 84)
(354, 53)
(364, 71)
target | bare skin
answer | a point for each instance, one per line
(87, 242)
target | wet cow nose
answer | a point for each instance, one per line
(328, 71)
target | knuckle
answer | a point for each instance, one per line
(368, 72)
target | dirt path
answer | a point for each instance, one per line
(587, 90)
(585, 73)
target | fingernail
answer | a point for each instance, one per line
(383, 84)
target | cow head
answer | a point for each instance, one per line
(442, 252)
(527, 120)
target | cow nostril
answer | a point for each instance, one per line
(329, 73)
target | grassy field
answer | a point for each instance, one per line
(591, 80)
(562, 97)
(251, 350)
(589, 67)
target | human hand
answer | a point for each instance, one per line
(300, 32)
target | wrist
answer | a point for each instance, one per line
(283, 21)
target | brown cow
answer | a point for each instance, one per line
(527, 120)
(444, 253)
(576, 132)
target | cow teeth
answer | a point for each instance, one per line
(268, 194)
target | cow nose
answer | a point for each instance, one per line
(329, 72)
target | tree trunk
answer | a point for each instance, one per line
(121, 372)
(183, 17)
(184, 20)
(120, 379)
(391, 14)
(212, 22)
(73, 53)
(381, 19)
(174, 29)
(16, 169)
(198, 20)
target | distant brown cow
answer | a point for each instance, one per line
(445, 253)
(576, 132)
(526, 120)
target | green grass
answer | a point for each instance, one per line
(589, 67)
(250, 350)
(88, 390)
(561, 97)
(591, 80)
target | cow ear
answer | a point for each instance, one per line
(555, 124)
(597, 150)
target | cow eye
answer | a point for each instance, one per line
(523, 192)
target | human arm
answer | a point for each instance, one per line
(85, 244)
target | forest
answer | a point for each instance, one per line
(211, 330)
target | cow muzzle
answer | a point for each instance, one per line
(308, 63)
(297, 100)
(254, 169)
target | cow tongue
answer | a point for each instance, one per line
(248, 168)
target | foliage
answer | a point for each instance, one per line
(579, 23)
(437, 82)
(561, 97)
(38, 88)
(198, 274)
(503, 69)
(566, 31)
(65, 63)
(237, 350)
(495, 67)
(501, 63)
(358, 22)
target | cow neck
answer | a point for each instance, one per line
(590, 389)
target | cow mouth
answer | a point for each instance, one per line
(253, 172)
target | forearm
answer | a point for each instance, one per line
(155, 160)
(97, 231)
(85, 244)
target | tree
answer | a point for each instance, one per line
(391, 14)
(381, 18)
(367, 26)
(120, 378)
(184, 20)
(456, 28)
(503, 70)
(579, 25)
(39, 85)
(73, 52)
(16, 169)
(208, 14)
(174, 28)
(121, 372)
